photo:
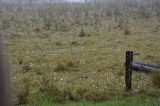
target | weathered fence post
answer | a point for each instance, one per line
(4, 76)
(128, 73)
(137, 67)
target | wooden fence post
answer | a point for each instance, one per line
(4, 76)
(128, 73)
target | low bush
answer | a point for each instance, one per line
(94, 96)
(26, 67)
(49, 89)
(65, 65)
(127, 31)
(60, 67)
(82, 33)
(22, 92)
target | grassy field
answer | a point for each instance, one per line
(80, 62)
(113, 103)
(130, 101)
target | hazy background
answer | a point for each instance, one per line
(40, 1)
(78, 1)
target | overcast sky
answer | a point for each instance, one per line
(43, 0)
(75, 0)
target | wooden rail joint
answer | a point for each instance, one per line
(137, 67)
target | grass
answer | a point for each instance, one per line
(133, 101)
(155, 80)
(89, 68)
(96, 63)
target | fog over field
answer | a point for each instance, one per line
(78, 1)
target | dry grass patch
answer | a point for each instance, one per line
(66, 65)
(156, 80)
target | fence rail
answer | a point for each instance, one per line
(137, 67)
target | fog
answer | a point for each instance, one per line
(40, 1)
(78, 1)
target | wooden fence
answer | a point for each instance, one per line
(137, 67)
(5, 99)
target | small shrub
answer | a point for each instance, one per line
(156, 28)
(38, 70)
(26, 67)
(121, 23)
(22, 96)
(69, 95)
(120, 73)
(74, 43)
(22, 92)
(46, 35)
(127, 31)
(20, 61)
(70, 63)
(47, 22)
(79, 93)
(64, 28)
(5, 24)
(37, 29)
(62, 96)
(156, 80)
(82, 33)
(66, 65)
(58, 43)
(60, 67)
(94, 96)
(49, 89)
